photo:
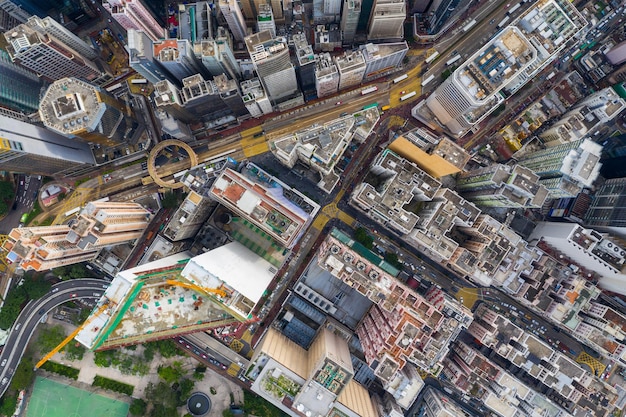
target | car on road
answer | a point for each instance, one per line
(402, 92)
(72, 295)
(4, 380)
(41, 312)
(55, 290)
(338, 103)
(4, 362)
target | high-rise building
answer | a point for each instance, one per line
(587, 116)
(202, 99)
(20, 88)
(437, 404)
(567, 168)
(189, 217)
(591, 250)
(608, 205)
(178, 58)
(350, 20)
(80, 110)
(332, 8)
(11, 15)
(265, 19)
(502, 186)
(402, 329)
(98, 224)
(306, 63)
(261, 200)
(326, 75)
(34, 150)
(254, 98)
(217, 57)
(320, 380)
(383, 57)
(141, 57)
(133, 14)
(168, 97)
(230, 94)
(474, 89)
(387, 19)
(236, 23)
(351, 66)
(51, 27)
(47, 55)
(270, 57)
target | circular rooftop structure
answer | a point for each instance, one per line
(199, 404)
(154, 153)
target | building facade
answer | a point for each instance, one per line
(133, 14)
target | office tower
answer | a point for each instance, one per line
(351, 67)
(11, 15)
(613, 157)
(502, 186)
(350, 19)
(32, 149)
(259, 198)
(217, 57)
(98, 224)
(180, 294)
(566, 169)
(265, 19)
(254, 98)
(44, 54)
(189, 217)
(168, 97)
(178, 58)
(587, 116)
(133, 14)
(236, 23)
(384, 57)
(271, 61)
(277, 9)
(173, 127)
(474, 89)
(327, 38)
(387, 19)
(608, 205)
(202, 99)
(83, 111)
(326, 75)
(437, 404)
(332, 8)
(306, 63)
(224, 43)
(196, 21)
(50, 27)
(19, 87)
(320, 380)
(229, 92)
(141, 57)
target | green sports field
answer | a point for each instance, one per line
(52, 399)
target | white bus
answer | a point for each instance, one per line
(139, 81)
(427, 80)
(72, 211)
(503, 22)
(114, 87)
(513, 9)
(369, 90)
(469, 25)
(453, 60)
(400, 78)
(408, 96)
(432, 57)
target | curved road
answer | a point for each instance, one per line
(24, 326)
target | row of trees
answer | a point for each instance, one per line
(33, 287)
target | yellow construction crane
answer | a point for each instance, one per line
(70, 337)
(198, 288)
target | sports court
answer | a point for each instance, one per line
(52, 399)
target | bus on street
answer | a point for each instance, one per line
(400, 78)
(453, 60)
(427, 80)
(369, 90)
(432, 57)
(408, 96)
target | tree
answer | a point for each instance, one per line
(6, 195)
(167, 348)
(35, 285)
(392, 258)
(138, 407)
(170, 200)
(74, 351)
(24, 375)
(185, 387)
(9, 403)
(12, 307)
(103, 359)
(170, 374)
(361, 236)
(50, 337)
